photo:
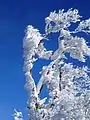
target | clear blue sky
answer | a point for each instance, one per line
(15, 15)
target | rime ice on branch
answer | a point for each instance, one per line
(68, 85)
(17, 115)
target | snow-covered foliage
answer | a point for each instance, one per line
(68, 84)
(17, 115)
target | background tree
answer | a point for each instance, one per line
(68, 84)
(18, 115)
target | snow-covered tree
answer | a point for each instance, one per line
(68, 83)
